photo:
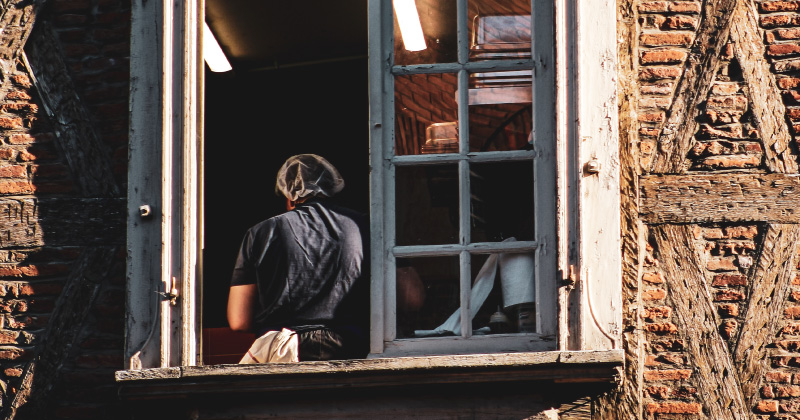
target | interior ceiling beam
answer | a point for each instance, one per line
(725, 197)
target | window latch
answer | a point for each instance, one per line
(172, 292)
(570, 280)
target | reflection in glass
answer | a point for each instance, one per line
(427, 205)
(509, 306)
(438, 21)
(502, 201)
(427, 293)
(500, 126)
(426, 114)
(499, 30)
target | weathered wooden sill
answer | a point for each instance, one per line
(553, 366)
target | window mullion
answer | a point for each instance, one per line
(463, 170)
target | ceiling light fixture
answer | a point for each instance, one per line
(212, 52)
(410, 28)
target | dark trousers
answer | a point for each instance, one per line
(323, 343)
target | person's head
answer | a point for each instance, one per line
(305, 176)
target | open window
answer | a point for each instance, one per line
(491, 171)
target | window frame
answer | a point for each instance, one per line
(563, 62)
(165, 185)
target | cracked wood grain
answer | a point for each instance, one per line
(769, 289)
(693, 87)
(714, 370)
(765, 98)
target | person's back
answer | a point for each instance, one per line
(305, 270)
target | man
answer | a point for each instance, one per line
(305, 270)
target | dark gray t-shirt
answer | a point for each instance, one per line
(310, 267)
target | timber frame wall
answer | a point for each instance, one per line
(709, 95)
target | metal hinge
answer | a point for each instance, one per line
(172, 292)
(569, 280)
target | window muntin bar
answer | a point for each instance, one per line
(409, 156)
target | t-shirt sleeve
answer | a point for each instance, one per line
(244, 271)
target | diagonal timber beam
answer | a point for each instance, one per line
(769, 289)
(699, 71)
(696, 317)
(765, 98)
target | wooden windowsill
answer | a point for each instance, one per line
(552, 366)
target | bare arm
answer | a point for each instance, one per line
(241, 307)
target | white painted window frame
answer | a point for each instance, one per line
(577, 84)
(576, 214)
(164, 184)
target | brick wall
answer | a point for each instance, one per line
(37, 264)
(726, 140)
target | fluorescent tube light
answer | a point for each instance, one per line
(410, 28)
(212, 52)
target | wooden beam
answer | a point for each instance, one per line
(727, 197)
(16, 23)
(695, 315)
(765, 99)
(78, 140)
(769, 289)
(699, 71)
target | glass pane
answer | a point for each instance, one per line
(506, 282)
(502, 201)
(509, 306)
(500, 126)
(427, 294)
(424, 31)
(499, 30)
(426, 114)
(427, 205)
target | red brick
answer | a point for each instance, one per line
(19, 108)
(787, 391)
(667, 375)
(675, 344)
(13, 372)
(651, 117)
(664, 39)
(728, 328)
(651, 74)
(8, 337)
(729, 280)
(16, 187)
(655, 294)
(18, 95)
(779, 377)
(13, 171)
(792, 406)
(789, 33)
(662, 328)
(773, 21)
(728, 309)
(12, 354)
(653, 278)
(674, 408)
(792, 312)
(786, 66)
(728, 296)
(671, 358)
(780, 50)
(721, 264)
(10, 123)
(49, 171)
(663, 57)
(657, 312)
(657, 89)
(48, 288)
(660, 392)
(684, 7)
(766, 407)
(26, 321)
(777, 6)
(741, 232)
(791, 329)
(679, 22)
(21, 80)
(767, 392)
